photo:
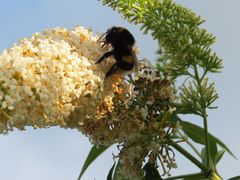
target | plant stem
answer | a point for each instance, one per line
(194, 175)
(190, 157)
(204, 115)
(214, 176)
(206, 140)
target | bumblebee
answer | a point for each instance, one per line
(122, 42)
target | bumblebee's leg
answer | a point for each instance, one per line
(105, 55)
(112, 70)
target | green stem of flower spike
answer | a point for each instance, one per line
(206, 140)
(214, 176)
(204, 115)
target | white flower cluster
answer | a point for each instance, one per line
(47, 76)
(147, 71)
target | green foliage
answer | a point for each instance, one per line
(219, 155)
(235, 178)
(110, 173)
(196, 133)
(92, 155)
(191, 99)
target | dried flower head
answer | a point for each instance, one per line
(136, 118)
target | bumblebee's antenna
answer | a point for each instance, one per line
(101, 37)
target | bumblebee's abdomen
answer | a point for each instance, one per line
(126, 62)
(125, 65)
(128, 59)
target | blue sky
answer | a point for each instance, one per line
(56, 153)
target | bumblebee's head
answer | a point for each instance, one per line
(119, 36)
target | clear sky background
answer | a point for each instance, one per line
(58, 154)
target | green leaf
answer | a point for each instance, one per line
(235, 178)
(194, 176)
(198, 177)
(92, 155)
(213, 154)
(219, 155)
(110, 173)
(193, 131)
(224, 146)
(213, 151)
(151, 172)
(196, 133)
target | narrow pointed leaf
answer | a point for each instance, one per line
(196, 133)
(198, 177)
(203, 156)
(110, 173)
(95, 152)
(235, 178)
(213, 151)
(219, 155)
(224, 146)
